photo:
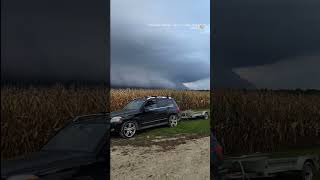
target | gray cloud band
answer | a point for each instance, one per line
(255, 33)
(147, 57)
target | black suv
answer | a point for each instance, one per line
(77, 151)
(146, 112)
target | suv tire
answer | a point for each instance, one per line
(308, 171)
(173, 120)
(128, 129)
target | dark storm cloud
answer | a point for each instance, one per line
(287, 73)
(146, 56)
(254, 33)
(53, 41)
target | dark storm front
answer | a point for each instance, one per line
(48, 42)
(265, 44)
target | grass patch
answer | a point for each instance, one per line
(166, 137)
(199, 127)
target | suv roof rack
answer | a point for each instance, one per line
(165, 97)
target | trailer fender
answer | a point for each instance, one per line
(303, 159)
(204, 113)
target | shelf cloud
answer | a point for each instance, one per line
(267, 44)
(146, 54)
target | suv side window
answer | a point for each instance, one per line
(164, 103)
(150, 104)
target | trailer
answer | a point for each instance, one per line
(260, 165)
(189, 114)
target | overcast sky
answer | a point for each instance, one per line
(267, 44)
(262, 44)
(144, 54)
(53, 41)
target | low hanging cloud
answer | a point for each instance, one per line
(203, 84)
(272, 44)
(139, 77)
(147, 56)
(291, 73)
(53, 42)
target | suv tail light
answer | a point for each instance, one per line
(175, 105)
(178, 109)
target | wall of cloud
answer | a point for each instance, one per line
(147, 56)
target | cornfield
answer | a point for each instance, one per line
(246, 121)
(184, 98)
(266, 121)
(29, 116)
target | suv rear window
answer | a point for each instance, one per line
(151, 104)
(134, 105)
(164, 103)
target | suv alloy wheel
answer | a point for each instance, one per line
(128, 129)
(173, 120)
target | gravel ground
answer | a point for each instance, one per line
(187, 161)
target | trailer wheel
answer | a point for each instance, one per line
(307, 171)
(206, 116)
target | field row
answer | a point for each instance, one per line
(30, 116)
(266, 121)
(246, 121)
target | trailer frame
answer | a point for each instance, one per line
(260, 165)
(190, 114)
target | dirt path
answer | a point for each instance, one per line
(188, 161)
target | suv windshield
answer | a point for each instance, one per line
(135, 104)
(77, 137)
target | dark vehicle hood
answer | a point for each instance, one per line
(40, 163)
(124, 113)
